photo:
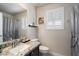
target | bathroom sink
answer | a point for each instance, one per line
(19, 48)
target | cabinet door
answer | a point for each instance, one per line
(35, 52)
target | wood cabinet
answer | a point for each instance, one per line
(34, 52)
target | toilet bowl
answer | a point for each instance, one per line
(44, 50)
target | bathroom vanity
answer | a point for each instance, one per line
(23, 49)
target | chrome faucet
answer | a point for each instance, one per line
(15, 42)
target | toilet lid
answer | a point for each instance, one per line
(43, 48)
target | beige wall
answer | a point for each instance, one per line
(59, 41)
(31, 18)
(31, 14)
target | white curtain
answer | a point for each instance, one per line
(9, 27)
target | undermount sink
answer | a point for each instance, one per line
(19, 48)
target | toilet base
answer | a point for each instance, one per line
(45, 54)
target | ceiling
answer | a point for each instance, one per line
(13, 8)
(38, 4)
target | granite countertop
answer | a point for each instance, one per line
(33, 45)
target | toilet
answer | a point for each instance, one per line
(42, 49)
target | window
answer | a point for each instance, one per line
(23, 21)
(55, 18)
